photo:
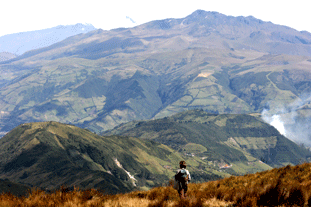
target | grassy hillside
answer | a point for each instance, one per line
(244, 141)
(49, 155)
(286, 186)
(17, 189)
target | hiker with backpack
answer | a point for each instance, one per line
(182, 178)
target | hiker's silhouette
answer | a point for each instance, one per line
(182, 178)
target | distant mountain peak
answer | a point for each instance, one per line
(204, 17)
(205, 14)
(22, 42)
(199, 12)
(6, 56)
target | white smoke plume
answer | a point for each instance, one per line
(291, 120)
(277, 122)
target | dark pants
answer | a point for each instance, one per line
(182, 190)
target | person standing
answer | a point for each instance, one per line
(182, 178)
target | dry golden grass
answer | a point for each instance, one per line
(161, 196)
(286, 186)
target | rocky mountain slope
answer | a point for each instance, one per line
(206, 60)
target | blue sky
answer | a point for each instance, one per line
(20, 15)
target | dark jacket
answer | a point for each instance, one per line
(189, 177)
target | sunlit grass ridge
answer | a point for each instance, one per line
(286, 186)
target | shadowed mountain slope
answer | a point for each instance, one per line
(231, 138)
(16, 189)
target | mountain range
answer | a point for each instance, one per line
(19, 43)
(207, 60)
(141, 155)
(6, 56)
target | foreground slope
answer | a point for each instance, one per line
(286, 186)
(206, 60)
(244, 141)
(50, 154)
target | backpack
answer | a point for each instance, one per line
(182, 176)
